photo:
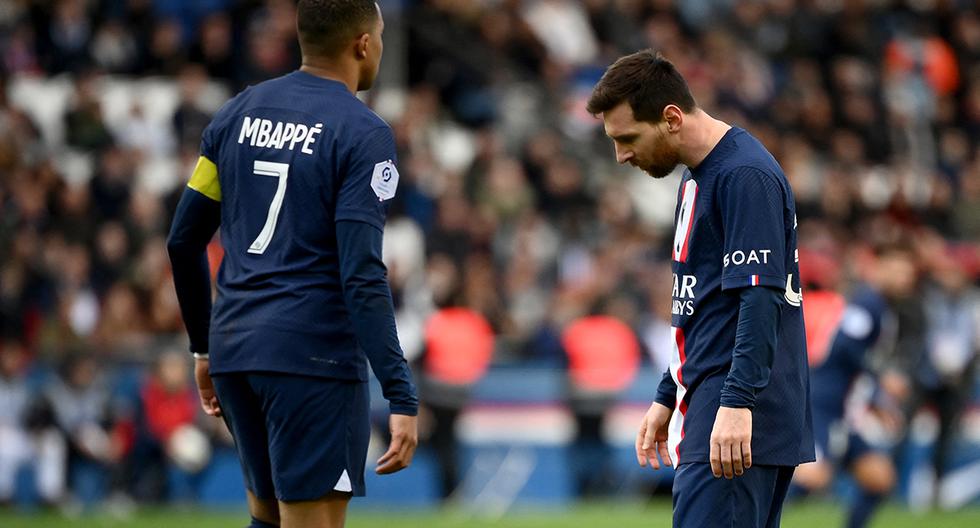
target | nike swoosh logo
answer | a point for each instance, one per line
(794, 298)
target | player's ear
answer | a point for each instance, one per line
(361, 45)
(674, 117)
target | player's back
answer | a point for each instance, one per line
(288, 154)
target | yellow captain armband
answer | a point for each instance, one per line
(205, 179)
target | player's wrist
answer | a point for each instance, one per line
(737, 406)
(667, 401)
(736, 396)
(734, 403)
(201, 356)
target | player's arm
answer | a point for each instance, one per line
(196, 219)
(753, 215)
(755, 347)
(370, 179)
(856, 334)
(651, 439)
(666, 391)
(372, 312)
(752, 357)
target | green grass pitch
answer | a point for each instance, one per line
(615, 515)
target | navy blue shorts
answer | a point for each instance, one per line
(752, 500)
(298, 437)
(836, 442)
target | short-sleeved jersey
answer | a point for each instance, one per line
(288, 159)
(736, 228)
(862, 326)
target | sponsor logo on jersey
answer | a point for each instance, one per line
(683, 294)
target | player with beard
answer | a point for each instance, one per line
(733, 403)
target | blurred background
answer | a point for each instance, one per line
(530, 273)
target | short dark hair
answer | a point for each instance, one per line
(326, 26)
(646, 80)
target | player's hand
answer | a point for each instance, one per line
(896, 385)
(731, 442)
(651, 439)
(890, 417)
(205, 388)
(404, 440)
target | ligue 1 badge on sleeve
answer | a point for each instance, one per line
(384, 181)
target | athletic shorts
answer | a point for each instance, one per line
(752, 500)
(836, 442)
(298, 437)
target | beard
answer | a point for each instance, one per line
(659, 170)
(662, 163)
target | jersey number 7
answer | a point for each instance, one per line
(281, 171)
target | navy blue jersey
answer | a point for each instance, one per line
(860, 329)
(289, 158)
(736, 228)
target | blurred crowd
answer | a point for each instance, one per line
(510, 203)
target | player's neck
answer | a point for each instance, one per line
(333, 71)
(702, 138)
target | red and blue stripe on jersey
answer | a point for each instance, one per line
(736, 228)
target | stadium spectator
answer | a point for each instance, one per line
(27, 438)
(167, 409)
(458, 349)
(85, 125)
(944, 377)
(603, 356)
(82, 409)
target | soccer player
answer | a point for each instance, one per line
(733, 403)
(866, 323)
(298, 172)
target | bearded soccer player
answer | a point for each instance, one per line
(732, 413)
(298, 172)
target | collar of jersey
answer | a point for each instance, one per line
(722, 146)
